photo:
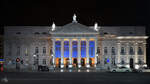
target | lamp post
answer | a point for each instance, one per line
(34, 64)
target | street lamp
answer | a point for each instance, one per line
(34, 55)
(34, 62)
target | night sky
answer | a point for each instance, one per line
(105, 12)
(44, 12)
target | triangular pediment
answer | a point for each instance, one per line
(74, 27)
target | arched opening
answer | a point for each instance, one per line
(58, 62)
(91, 62)
(131, 63)
(83, 62)
(74, 62)
(66, 62)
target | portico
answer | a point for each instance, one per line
(71, 52)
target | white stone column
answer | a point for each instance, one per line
(70, 53)
(87, 53)
(136, 53)
(95, 52)
(53, 60)
(118, 44)
(127, 53)
(79, 53)
(62, 53)
(144, 50)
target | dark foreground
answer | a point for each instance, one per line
(76, 78)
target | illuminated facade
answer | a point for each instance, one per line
(74, 46)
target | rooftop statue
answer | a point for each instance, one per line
(74, 18)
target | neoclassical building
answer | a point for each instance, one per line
(74, 45)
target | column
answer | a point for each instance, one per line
(136, 53)
(53, 52)
(79, 53)
(70, 53)
(127, 53)
(87, 53)
(118, 44)
(95, 52)
(144, 50)
(62, 53)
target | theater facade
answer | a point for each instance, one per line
(74, 45)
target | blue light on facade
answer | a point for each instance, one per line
(83, 49)
(58, 49)
(107, 60)
(1, 59)
(66, 49)
(74, 51)
(91, 49)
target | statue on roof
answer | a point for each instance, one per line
(53, 26)
(96, 26)
(74, 18)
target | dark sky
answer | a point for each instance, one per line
(44, 12)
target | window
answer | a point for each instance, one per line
(113, 51)
(44, 33)
(18, 32)
(130, 32)
(105, 33)
(36, 50)
(18, 51)
(51, 51)
(139, 62)
(98, 49)
(9, 49)
(131, 52)
(122, 62)
(44, 61)
(44, 50)
(26, 52)
(140, 52)
(36, 33)
(105, 50)
(122, 51)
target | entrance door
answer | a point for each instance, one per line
(66, 62)
(59, 62)
(131, 63)
(91, 62)
(83, 62)
(75, 62)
